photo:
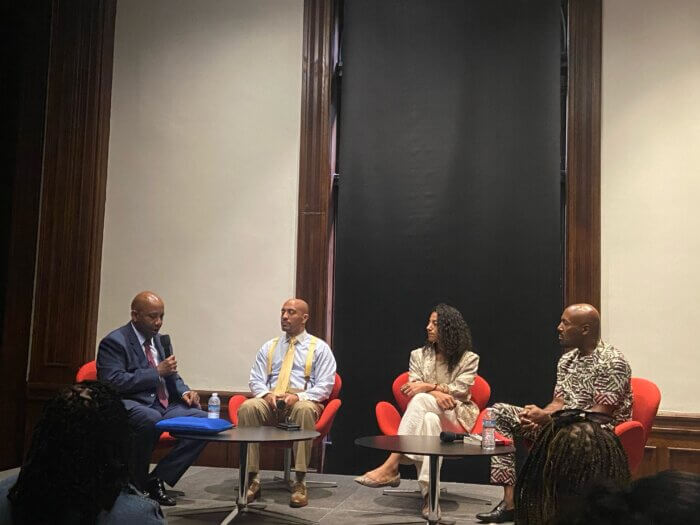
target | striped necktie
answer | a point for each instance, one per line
(160, 389)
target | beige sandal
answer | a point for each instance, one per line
(373, 483)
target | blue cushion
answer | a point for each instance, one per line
(193, 425)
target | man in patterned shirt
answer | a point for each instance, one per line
(592, 376)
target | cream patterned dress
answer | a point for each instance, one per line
(423, 366)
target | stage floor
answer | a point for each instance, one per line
(348, 504)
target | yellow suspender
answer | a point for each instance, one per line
(269, 356)
(309, 359)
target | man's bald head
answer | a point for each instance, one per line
(147, 312)
(295, 313)
(145, 299)
(298, 304)
(579, 327)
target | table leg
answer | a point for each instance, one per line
(242, 500)
(243, 474)
(433, 494)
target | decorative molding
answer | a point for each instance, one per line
(315, 177)
(674, 443)
(582, 256)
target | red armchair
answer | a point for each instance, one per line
(388, 418)
(88, 372)
(634, 434)
(323, 427)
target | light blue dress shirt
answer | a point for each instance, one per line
(322, 369)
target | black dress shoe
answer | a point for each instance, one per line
(156, 491)
(499, 514)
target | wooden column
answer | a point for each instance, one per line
(74, 176)
(24, 90)
(315, 182)
(582, 265)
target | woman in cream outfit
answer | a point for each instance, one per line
(441, 374)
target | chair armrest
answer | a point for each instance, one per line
(166, 440)
(388, 418)
(325, 422)
(631, 434)
(479, 423)
(233, 405)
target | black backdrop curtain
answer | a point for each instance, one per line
(449, 191)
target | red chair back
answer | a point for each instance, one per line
(481, 392)
(87, 372)
(336, 388)
(401, 398)
(646, 399)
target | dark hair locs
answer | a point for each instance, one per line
(77, 460)
(562, 464)
(454, 335)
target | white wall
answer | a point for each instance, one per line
(203, 175)
(651, 192)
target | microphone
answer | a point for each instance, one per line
(281, 405)
(167, 347)
(449, 437)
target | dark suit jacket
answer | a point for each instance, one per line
(122, 363)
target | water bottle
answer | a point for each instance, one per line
(488, 441)
(214, 406)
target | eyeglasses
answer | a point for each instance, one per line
(571, 415)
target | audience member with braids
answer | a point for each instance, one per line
(76, 471)
(571, 454)
(667, 498)
(592, 375)
(441, 374)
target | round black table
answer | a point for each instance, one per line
(432, 447)
(243, 436)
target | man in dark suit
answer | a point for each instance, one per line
(133, 360)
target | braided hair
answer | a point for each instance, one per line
(77, 460)
(454, 335)
(564, 462)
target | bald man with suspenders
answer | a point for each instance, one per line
(297, 369)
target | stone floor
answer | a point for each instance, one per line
(206, 487)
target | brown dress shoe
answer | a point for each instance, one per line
(299, 497)
(253, 491)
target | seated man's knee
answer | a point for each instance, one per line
(196, 412)
(252, 411)
(144, 419)
(499, 408)
(247, 407)
(303, 408)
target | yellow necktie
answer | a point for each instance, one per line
(286, 370)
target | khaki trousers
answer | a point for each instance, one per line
(255, 412)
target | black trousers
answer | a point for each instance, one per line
(142, 420)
